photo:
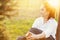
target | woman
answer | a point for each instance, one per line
(47, 24)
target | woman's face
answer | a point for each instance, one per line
(44, 12)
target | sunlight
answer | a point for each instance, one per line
(53, 3)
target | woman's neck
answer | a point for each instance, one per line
(45, 19)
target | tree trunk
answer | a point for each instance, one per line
(58, 29)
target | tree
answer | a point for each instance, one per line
(5, 6)
(58, 29)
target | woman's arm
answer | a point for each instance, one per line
(51, 28)
(38, 36)
(38, 22)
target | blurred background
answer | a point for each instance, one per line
(17, 16)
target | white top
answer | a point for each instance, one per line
(49, 27)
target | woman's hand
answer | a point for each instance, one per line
(35, 36)
(28, 35)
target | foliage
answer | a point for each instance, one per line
(5, 6)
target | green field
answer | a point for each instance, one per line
(18, 28)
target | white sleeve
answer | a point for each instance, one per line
(51, 27)
(37, 23)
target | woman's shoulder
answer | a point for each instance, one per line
(52, 20)
(39, 18)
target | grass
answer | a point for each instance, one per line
(18, 28)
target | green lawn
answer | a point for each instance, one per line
(18, 28)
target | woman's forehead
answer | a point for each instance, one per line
(42, 8)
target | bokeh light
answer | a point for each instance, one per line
(53, 3)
